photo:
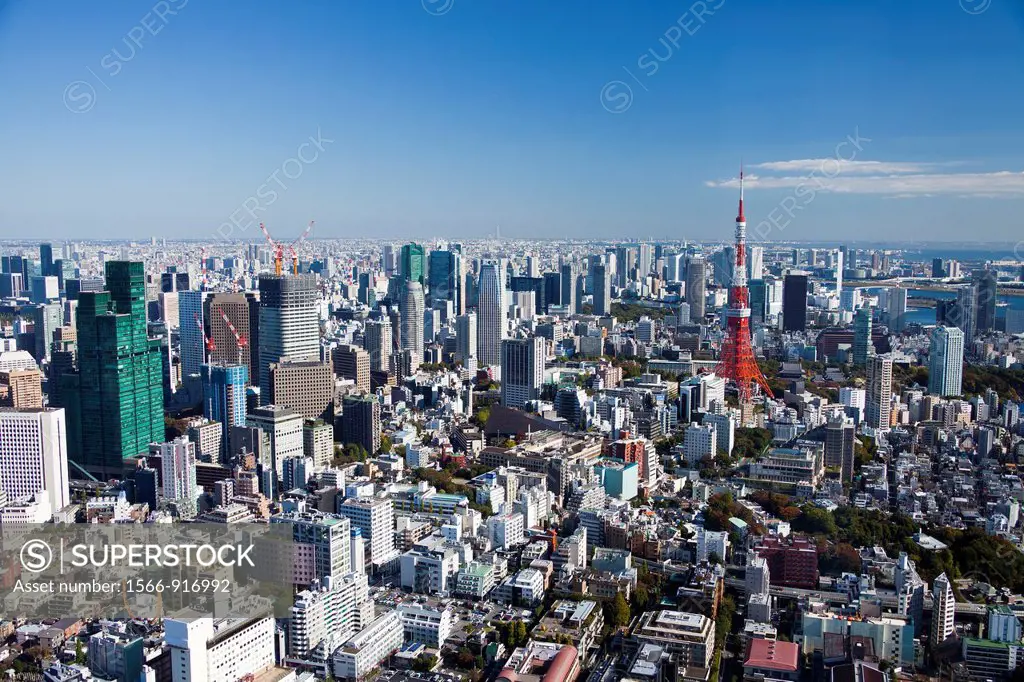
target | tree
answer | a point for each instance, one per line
(80, 656)
(713, 558)
(619, 611)
(482, 415)
(385, 444)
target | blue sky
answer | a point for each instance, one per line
(443, 118)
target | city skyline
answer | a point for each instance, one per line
(416, 122)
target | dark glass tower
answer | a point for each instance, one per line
(115, 401)
(794, 303)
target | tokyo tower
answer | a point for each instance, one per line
(737, 362)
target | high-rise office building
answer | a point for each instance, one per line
(758, 300)
(411, 310)
(192, 331)
(46, 318)
(946, 362)
(840, 434)
(46, 260)
(282, 431)
(896, 300)
(224, 398)
(755, 262)
(34, 455)
(445, 278)
(115, 400)
(21, 388)
(568, 284)
(288, 324)
(879, 391)
(491, 315)
(465, 337)
(360, 422)
(242, 310)
(862, 347)
(413, 262)
(305, 386)
(794, 303)
(522, 370)
(985, 284)
(602, 290)
(696, 293)
(44, 289)
(353, 363)
(377, 342)
(552, 290)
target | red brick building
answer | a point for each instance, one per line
(792, 562)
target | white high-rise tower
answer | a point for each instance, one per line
(946, 361)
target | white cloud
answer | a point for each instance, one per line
(1001, 184)
(852, 166)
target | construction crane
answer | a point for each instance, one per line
(210, 345)
(298, 242)
(240, 341)
(278, 250)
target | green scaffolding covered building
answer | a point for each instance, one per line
(115, 401)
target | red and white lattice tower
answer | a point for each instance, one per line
(737, 362)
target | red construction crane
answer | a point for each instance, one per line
(240, 340)
(278, 250)
(210, 345)
(298, 242)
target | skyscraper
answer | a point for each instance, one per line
(224, 398)
(411, 311)
(305, 386)
(243, 312)
(360, 422)
(45, 319)
(377, 341)
(522, 370)
(46, 260)
(879, 391)
(794, 303)
(862, 347)
(946, 362)
(465, 337)
(115, 401)
(602, 290)
(445, 279)
(897, 305)
(413, 262)
(191, 331)
(288, 324)
(696, 277)
(491, 315)
(839, 443)
(352, 362)
(985, 294)
(568, 284)
(755, 259)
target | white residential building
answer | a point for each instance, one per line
(425, 625)
(222, 650)
(34, 455)
(376, 517)
(699, 441)
(354, 659)
(506, 530)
